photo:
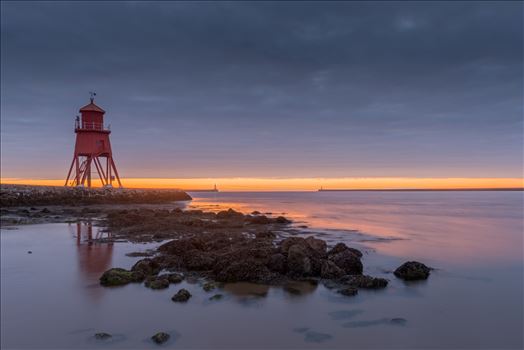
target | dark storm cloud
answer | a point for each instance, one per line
(268, 89)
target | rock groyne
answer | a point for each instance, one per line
(25, 196)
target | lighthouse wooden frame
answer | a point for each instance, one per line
(92, 149)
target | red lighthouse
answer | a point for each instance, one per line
(92, 146)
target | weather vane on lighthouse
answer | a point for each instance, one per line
(92, 144)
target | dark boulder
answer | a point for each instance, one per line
(317, 245)
(160, 337)
(347, 261)
(181, 296)
(298, 261)
(329, 270)
(277, 263)
(412, 271)
(341, 247)
(147, 267)
(291, 241)
(363, 281)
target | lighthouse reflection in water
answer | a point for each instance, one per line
(94, 254)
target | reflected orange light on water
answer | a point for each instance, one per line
(299, 184)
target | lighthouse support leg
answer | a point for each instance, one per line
(116, 172)
(70, 170)
(99, 170)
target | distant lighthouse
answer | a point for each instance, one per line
(92, 149)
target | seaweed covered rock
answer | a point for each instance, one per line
(412, 271)
(119, 277)
(160, 282)
(181, 296)
(146, 266)
(160, 337)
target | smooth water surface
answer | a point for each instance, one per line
(474, 298)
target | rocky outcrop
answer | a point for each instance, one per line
(412, 271)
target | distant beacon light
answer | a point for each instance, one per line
(92, 145)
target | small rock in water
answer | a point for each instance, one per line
(209, 286)
(182, 295)
(216, 297)
(160, 337)
(102, 335)
(29, 252)
(412, 271)
(350, 291)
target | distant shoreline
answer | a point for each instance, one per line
(421, 190)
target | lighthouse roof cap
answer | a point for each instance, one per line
(91, 108)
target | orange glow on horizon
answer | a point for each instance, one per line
(299, 184)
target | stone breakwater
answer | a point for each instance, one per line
(229, 246)
(26, 196)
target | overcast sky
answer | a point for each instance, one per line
(267, 89)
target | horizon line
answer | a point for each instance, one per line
(246, 184)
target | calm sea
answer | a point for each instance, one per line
(474, 298)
